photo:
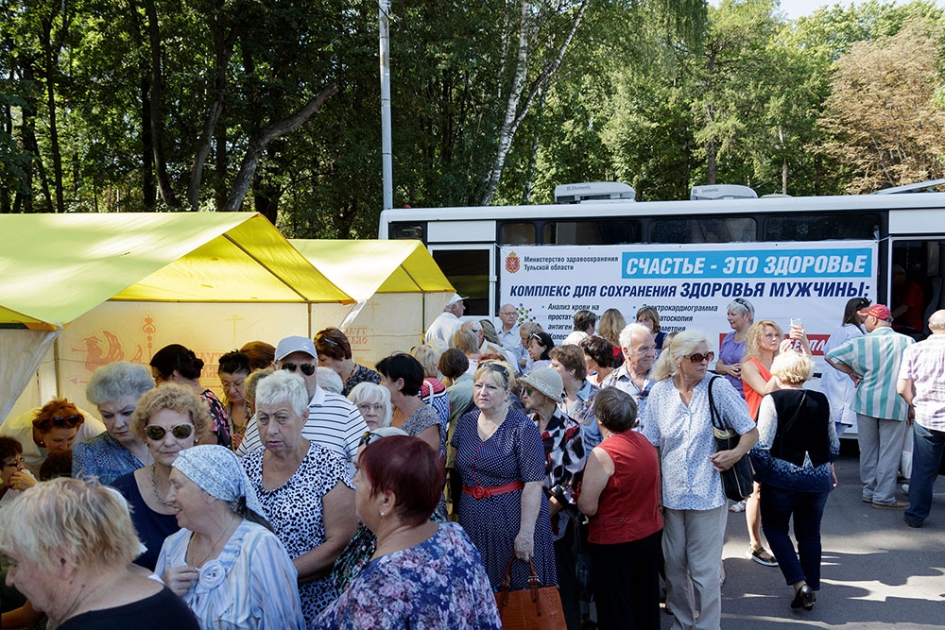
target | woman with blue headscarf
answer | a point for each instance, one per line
(225, 562)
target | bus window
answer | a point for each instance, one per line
(591, 232)
(407, 231)
(468, 271)
(517, 234)
(821, 227)
(704, 230)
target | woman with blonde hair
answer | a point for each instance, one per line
(677, 420)
(610, 326)
(169, 419)
(433, 391)
(70, 544)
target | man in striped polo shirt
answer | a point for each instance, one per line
(882, 417)
(333, 421)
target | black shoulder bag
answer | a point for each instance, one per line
(736, 481)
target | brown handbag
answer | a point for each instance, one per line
(534, 608)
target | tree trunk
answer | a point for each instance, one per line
(266, 135)
(165, 189)
(514, 115)
(149, 192)
(50, 57)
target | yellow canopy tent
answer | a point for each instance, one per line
(108, 287)
(399, 288)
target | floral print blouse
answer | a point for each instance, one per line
(440, 583)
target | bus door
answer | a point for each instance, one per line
(919, 291)
(471, 271)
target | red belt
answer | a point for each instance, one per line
(482, 492)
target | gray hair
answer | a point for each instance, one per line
(741, 306)
(329, 380)
(937, 320)
(281, 387)
(626, 335)
(792, 367)
(117, 380)
(373, 393)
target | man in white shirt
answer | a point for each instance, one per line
(333, 421)
(447, 323)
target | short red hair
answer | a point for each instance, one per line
(407, 467)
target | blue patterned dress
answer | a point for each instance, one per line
(437, 584)
(513, 453)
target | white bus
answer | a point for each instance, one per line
(906, 230)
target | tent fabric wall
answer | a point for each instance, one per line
(21, 352)
(59, 271)
(399, 287)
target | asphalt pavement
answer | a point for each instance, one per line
(877, 571)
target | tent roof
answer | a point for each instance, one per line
(55, 267)
(363, 268)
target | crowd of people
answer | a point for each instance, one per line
(321, 493)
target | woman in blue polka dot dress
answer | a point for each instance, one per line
(501, 460)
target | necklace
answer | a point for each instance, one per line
(212, 547)
(156, 493)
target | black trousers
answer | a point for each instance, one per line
(627, 584)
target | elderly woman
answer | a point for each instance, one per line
(422, 574)
(373, 401)
(598, 359)
(115, 389)
(621, 494)
(741, 314)
(303, 488)
(433, 391)
(565, 456)
(52, 428)
(579, 393)
(14, 477)
(225, 562)
(334, 351)
(539, 345)
(70, 544)
(793, 460)
(168, 419)
(465, 341)
(360, 549)
(402, 375)
(678, 422)
(233, 370)
(177, 364)
(501, 460)
(252, 381)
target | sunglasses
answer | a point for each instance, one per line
(179, 431)
(68, 421)
(16, 463)
(328, 340)
(307, 368)
(699, 358)
(232, 367)
(367, 438)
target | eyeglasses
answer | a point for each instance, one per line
(378, 407)
(68, 421)
(233, 367)
(529, 391)
(307, 368)
(367, 438)
(180, 431)
(699, 358)
(16, 463)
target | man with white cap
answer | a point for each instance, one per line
(333, 421)
(447, 323)
(882, 417)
